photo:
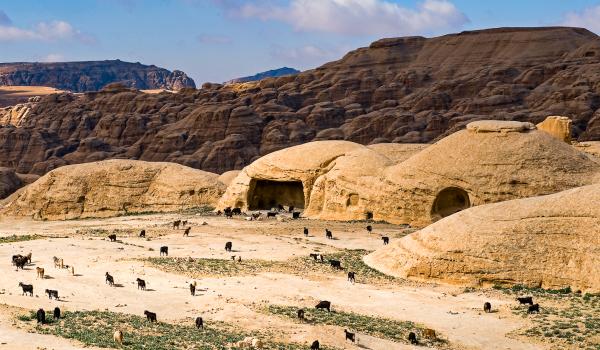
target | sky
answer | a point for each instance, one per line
(217, 40)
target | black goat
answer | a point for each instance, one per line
(113, 237)
(236, 211)
(412, 338)
(187, 232)
(56, 313)
(386, 240)
(192, 289)
(525, 300)
(176, 224)
(141, 284)
(350, 336)
(164, 250)
(315, 345)
(369, 228)
(336, 264)
(109, 279)
(351, 277)
(328, 234)
(300, 313)
(271, 214)
(40, 315)
(533, 308)
(324, 304)
(151, 316)
(143, 234)
(199, 323)
(314, 256)
(280, 207)
(296, 215)
(20, 262)
(291, 209)
(229, 215)
(52, 294)
(228, 246)
(27, 288)
(487, 307)
(306, 232)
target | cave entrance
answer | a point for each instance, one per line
(449, 201)
(267, 194)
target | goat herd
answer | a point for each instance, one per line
(20, 261)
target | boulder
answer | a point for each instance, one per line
(559, 127)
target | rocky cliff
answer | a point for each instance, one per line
(407, 90)
(92, 75)
(274, 73)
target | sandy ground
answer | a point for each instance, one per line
(454, 314)
(10, 95)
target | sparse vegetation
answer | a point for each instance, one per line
(95, 328)
(20, 238)
(379, 327)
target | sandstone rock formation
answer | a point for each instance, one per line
(490, 161)
(9, 182)
(548, 241)
(402, 90)
(92, 75)
(114, 187)
(557, 126)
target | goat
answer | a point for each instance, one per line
(328, 234)
(109, 279)
(57, 262)
(386, 240)
(184, 223)
(255, 216)
(315, 345)
(351, 277)
(280, 207)
(113, 237)
(291, 209)
(336, 264)
(142, 235)
(229, 215)
(27, 288)
(305, 232)
(320, 257)
(296, 215)
(118, 337)
(176, 224)
(39, 272)
(151, 316)
(314, 256)
(40, 315)
(239, 258)
(300, 313)
(52, 293)
(20, 262)
(199, 323)
(187, 232)
(487, 307)
(141, 284)
(193, 289)
(228, 246)
(271, 214)
(219, 213)
(533, 308)
(164, 250)
(350, 336)
(369, 228)
(412, 338)
(525, 300)
(28, 256)
(236, 211)
(15, 258)
(56, 314)
(324, 304)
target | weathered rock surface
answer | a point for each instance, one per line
(407, 90)
(92, 75)
(557, 126)
(549, 241)
(9, 182)
(114, 187)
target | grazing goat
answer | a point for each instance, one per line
(199, 323)
(336, 264)
(228, 246)
(350, 336)
(56, 314)
(20, 262)
(351, 277)
(141, 284)
(296, 215)
(193, 289)
(305, 232)
(176, 224)
(15, 258)
(39, 272)
(52, 294)
(236, 211)
(109, 279)
(412, 338)
(386, 240)
(40, 315)
(151, 316)
(164, 250)
(328, 234)
(533, 308)
(324, 304)
(142, 235)
(315, 345)
(320, 257)
(113, 237)
(487, 307)
(369, 228)
(27, 288)
(300, 313)
(525, 300)
(314, 256)
(118, 337)
(187, 232)
(271, 214)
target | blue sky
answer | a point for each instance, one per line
(216, 40)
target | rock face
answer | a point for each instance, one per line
(490, 161)
(557, 126)
(9, 182)
(549, 241)
(402, 90)
(274, 73)
(114, 187)
(92, 75)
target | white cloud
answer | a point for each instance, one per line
(588, 18)
(214, 39)
(358, 17)
(53, 57)
(42, 31)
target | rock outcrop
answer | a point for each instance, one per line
(92, 75)
(557, 126)
(9, 182)
(114, 187)
(549, 241)
(401, 90)
(274, 73)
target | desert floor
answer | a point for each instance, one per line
(453, 312)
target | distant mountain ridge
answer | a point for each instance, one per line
(273, 73)
(92, 75)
